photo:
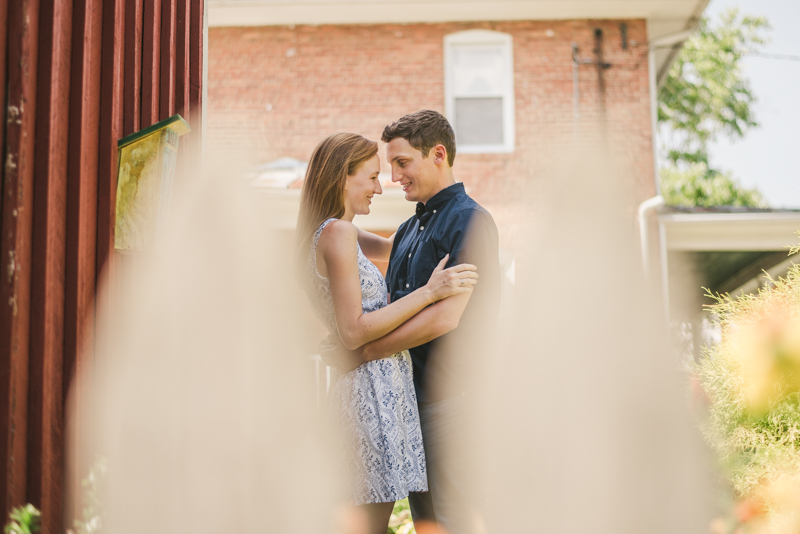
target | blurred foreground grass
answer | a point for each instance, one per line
(400, 522)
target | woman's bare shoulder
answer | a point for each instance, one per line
(338, 233)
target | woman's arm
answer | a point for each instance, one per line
(375, 247)
(337, 246)
(432, 322)
(427, 325)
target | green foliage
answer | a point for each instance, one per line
(707, 94)
(755, 446)
(400, 522)
(700, 186)
(23, 520)
(91, 522)
(794, 249)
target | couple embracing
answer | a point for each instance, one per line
(406, 345)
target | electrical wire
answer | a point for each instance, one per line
(785, 57)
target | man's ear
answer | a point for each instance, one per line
(439, 154)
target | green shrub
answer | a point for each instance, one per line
(23, 520)
(400, 522)
(752, 380)
(93, 510)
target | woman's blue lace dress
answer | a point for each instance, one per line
(375, 403)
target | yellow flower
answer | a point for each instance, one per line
(768, 351)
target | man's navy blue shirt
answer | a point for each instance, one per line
(449, 223)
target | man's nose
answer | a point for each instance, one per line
(396, 176)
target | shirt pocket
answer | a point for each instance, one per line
(423, 261)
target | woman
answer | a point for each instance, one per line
(375, 403)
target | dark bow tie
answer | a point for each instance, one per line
(422, 213)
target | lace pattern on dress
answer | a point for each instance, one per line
(375, 404)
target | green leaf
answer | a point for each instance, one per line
(707, 95)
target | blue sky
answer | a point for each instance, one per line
(768, 158)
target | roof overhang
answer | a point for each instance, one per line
(730, 231)
(728, 251)
(285, 12)
(664, 17)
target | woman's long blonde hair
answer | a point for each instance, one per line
(334, 158)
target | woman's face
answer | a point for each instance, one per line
(361, 185)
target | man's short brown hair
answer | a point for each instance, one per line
(423, 130)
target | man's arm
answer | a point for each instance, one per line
(432, 322)
(479, 243)
(375, 247)
(476, 243)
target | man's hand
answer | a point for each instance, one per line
(335, 354)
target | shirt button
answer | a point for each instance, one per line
(409, 254)
(406, 285)
(421, 227)
(434, 211)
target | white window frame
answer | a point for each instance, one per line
(479, 37)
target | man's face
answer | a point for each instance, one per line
(415, 173)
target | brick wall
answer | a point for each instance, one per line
(277, 91)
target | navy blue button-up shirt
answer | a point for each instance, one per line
(449, 223)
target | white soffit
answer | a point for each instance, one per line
(730, 231)
(676, 13)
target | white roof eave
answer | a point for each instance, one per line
(730, 231)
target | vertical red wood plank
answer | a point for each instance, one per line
(15, 247)
(46, 413)
(151, 55)
(82, 214)
(182, 61)
(169, 10)
(3, 42)
(196, 69)
(132, 114)
(182, 80)
(111, 104)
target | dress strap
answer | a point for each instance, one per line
(321, 228)
(312, 257)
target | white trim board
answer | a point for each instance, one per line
(286, 12)
(730, 231)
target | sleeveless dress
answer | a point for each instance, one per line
(375, 404)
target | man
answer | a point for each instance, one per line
(446, 355)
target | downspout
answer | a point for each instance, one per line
(653, 203)
(644, 210)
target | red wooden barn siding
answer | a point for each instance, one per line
(76, 76)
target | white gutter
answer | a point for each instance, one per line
(658, 200)
(644, 209)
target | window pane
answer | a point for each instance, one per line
(477, 70)
(479, 121)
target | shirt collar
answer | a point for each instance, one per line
(441, 198)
